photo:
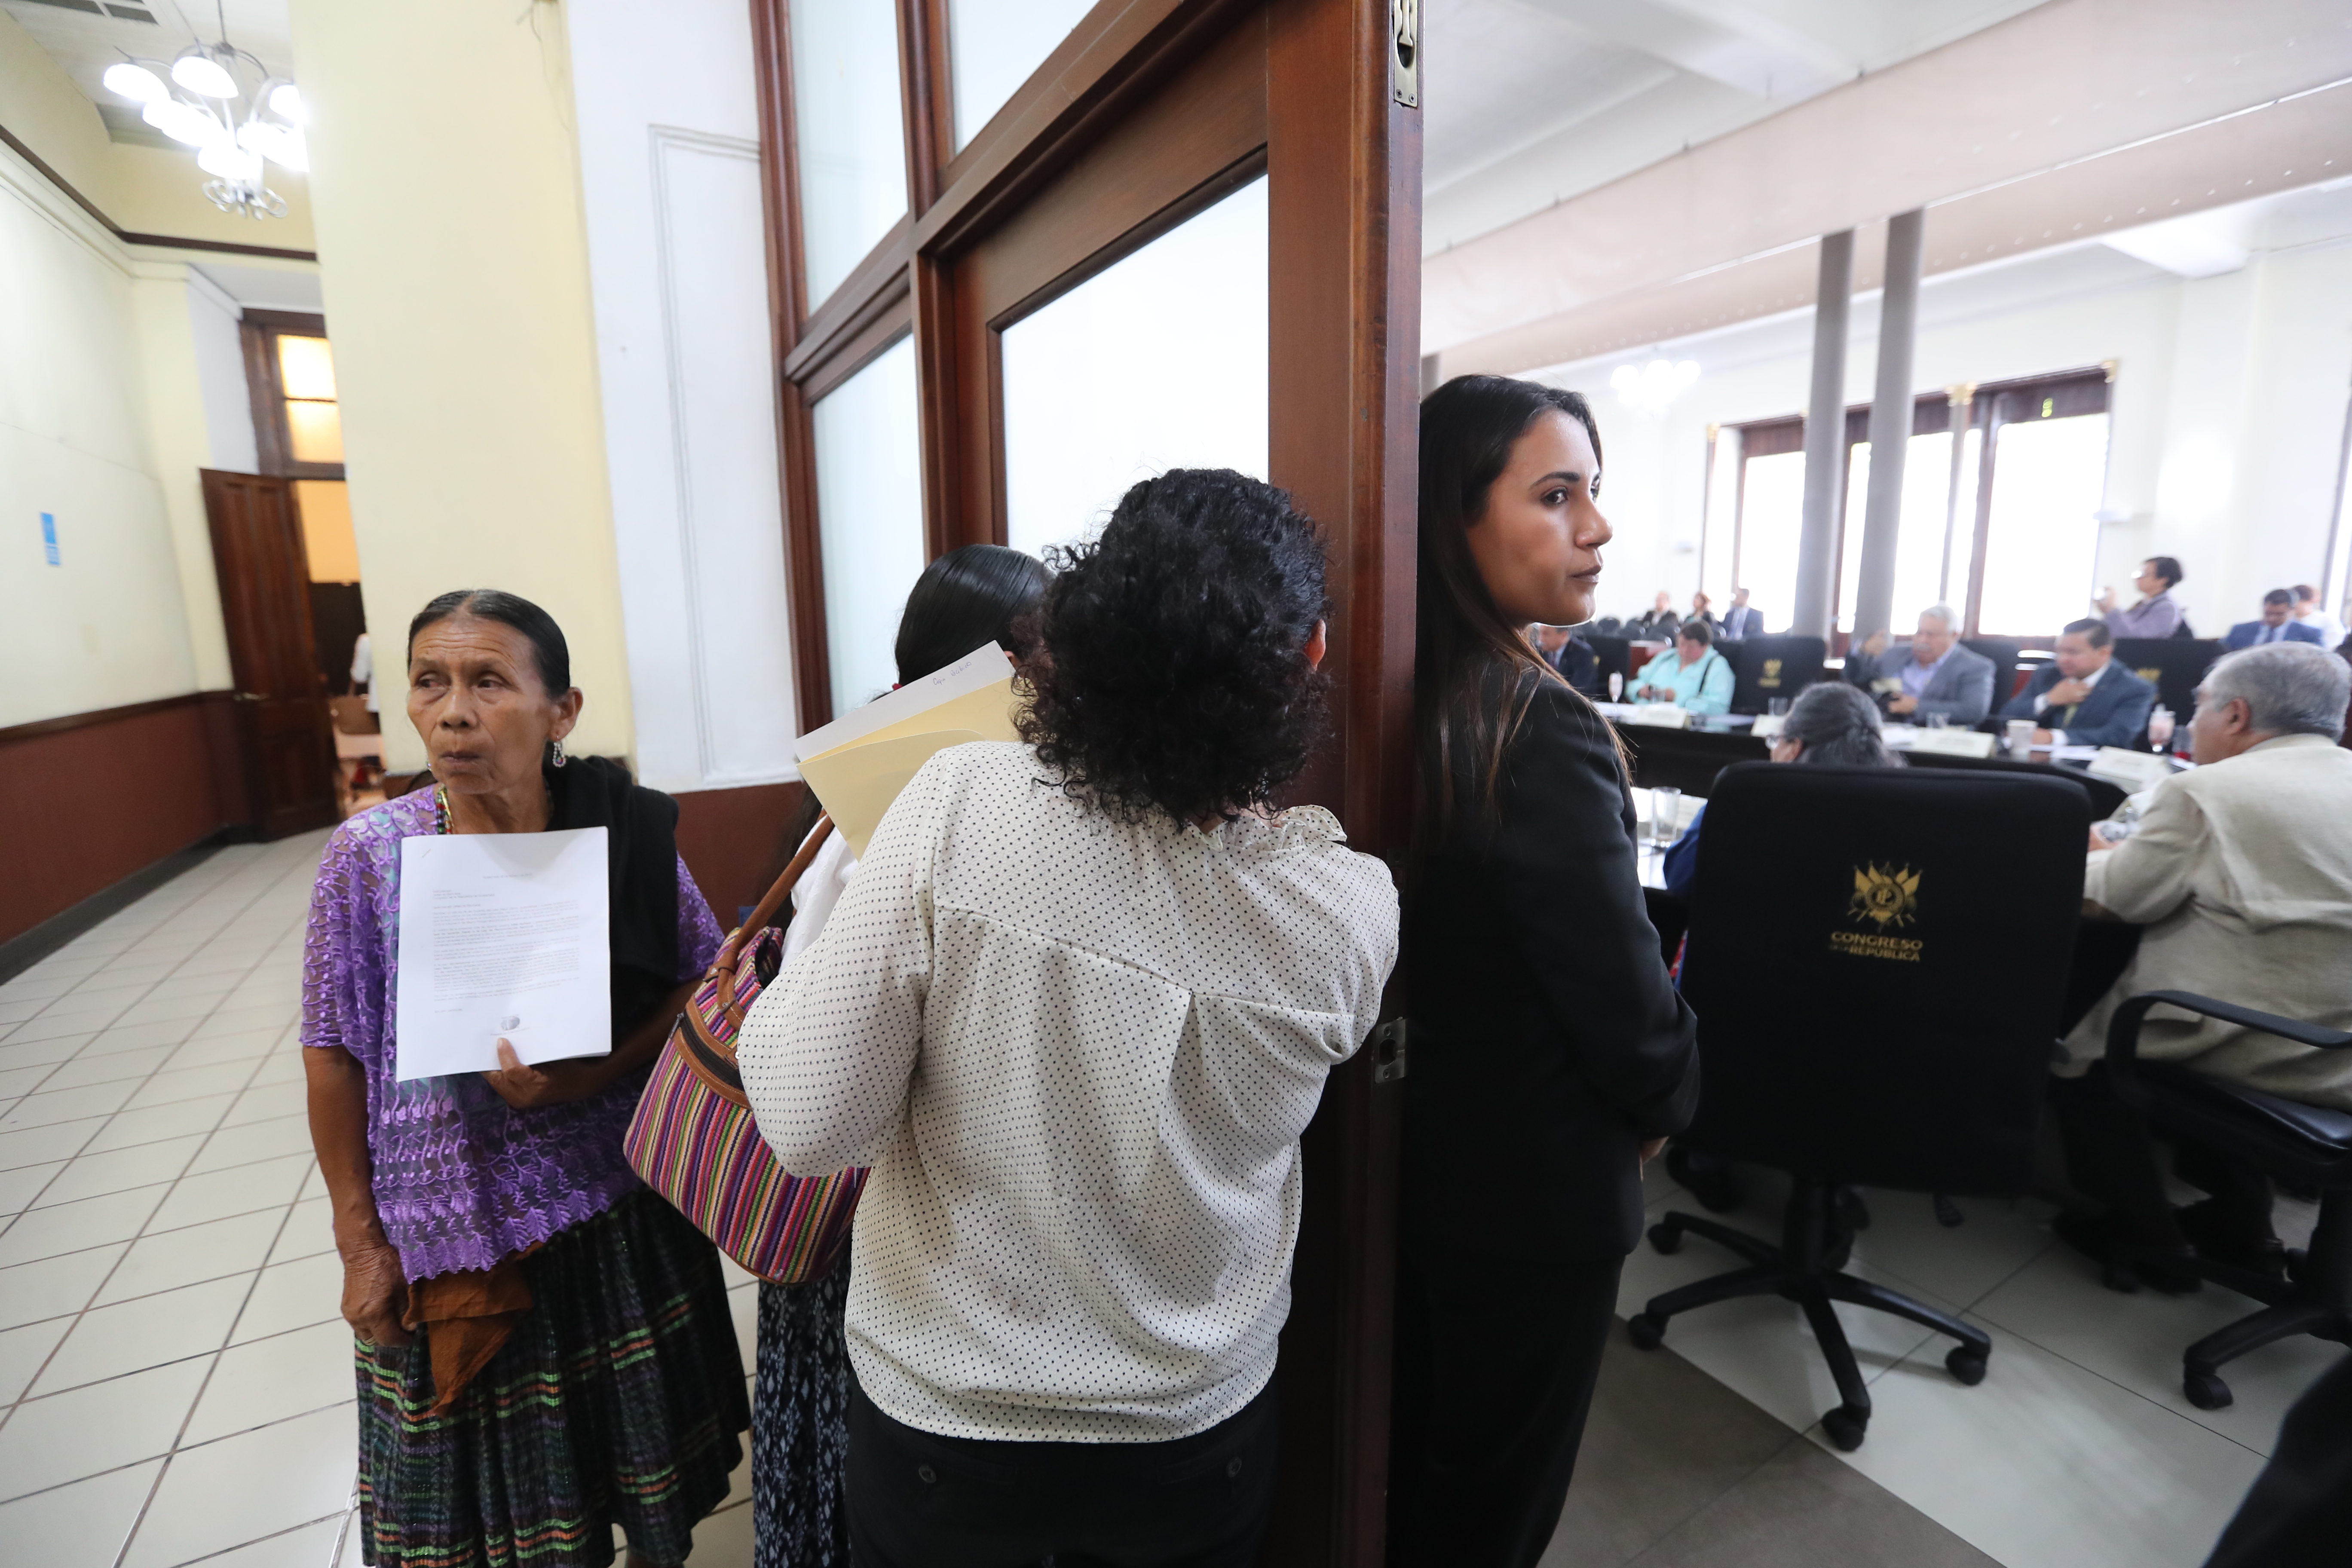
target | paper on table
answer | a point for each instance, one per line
(502, 935)
(859, 763)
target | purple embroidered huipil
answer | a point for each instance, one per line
(461, 1178)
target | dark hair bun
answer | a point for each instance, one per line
(1169, 676)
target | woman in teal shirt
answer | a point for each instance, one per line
(1691, 675)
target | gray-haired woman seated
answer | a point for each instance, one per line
(1829, 722)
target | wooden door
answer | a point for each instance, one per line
(265, 588)
(1148, 113)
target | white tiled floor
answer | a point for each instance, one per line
(175, 1377)
(2078, 1450)
(176, 1380)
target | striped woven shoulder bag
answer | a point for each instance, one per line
(693, 1140)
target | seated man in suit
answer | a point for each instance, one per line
(1939, 676)
(2308, 613)
(1570, 654)
(2083, 698)
(1743, 619)
(2278, 625)
(2241, 872)
(1658, 623)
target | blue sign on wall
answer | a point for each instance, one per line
(49, 537)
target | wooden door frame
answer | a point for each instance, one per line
(1343, 164)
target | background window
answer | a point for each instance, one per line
(850, 130)
(1158, 362)
(1919, 542)
(314, 424)
(1772, 514)
(2041, 539)
(869, 516)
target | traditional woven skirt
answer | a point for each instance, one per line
(800, 1425)
(616, 1401)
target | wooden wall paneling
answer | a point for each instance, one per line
(95, 797)
(1344, 160)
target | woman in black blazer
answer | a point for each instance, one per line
(1551, 1056)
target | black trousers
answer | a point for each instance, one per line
(2112, 1156)
(1493, 1383)
(917, 1499)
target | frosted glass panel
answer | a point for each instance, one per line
(316, 430)
(993, 45)
(1772, 515)
(851, 133)
(306, 367)
(869, 511)
(1920, 539)
(2048, 477)
(1158, 363)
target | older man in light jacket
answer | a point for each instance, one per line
(2241, 872)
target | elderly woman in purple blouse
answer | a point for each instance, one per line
(544, 1350)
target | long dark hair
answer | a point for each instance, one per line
(966, 599)
(1474, 673)
(1169, 680)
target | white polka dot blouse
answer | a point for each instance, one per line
(1079, 1056)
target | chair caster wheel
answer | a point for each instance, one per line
(2206, 1391)
(1948, 1213)
(1966, 1364)
(1646, 1331)
(2120, 1277)
(1845, 1428)
(1666, 1239)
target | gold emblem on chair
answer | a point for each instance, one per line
(2151, 675)
(1772, 676)
(1887, 896)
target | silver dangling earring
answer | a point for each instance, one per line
(555, 753)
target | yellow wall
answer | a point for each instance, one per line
(457, 282)
(142, 190)
(179, 445)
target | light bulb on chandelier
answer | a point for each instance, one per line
(197, 106)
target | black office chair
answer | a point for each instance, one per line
(2104, 794)
(1764, 667)
(2173, 665)
(1840, 928)
(1615, 655)
(2003, 652)
(2307, 1145)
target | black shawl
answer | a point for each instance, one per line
(640, 834)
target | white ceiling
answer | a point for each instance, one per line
(85, 45)
(1531, 102)
(2069, 120)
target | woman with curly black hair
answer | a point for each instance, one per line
(1075, 1012)
(1552, 1055)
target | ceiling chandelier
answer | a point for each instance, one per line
(194, 100)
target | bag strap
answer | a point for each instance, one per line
(724, 968)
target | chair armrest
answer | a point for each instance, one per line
(2122, 1030)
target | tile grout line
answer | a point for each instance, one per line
(155, 1488)
(9, 1412)
(204, 1387)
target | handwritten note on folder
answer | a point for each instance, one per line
(859, 763)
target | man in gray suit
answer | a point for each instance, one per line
(1940, 676)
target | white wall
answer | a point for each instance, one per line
(212, 319)
(2228, 407)
(87, 388)
(670, 172)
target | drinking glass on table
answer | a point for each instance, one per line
(2159, 728)
(1935, 721)
(1616, 686)
(1666, 815)
(1777, 707)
